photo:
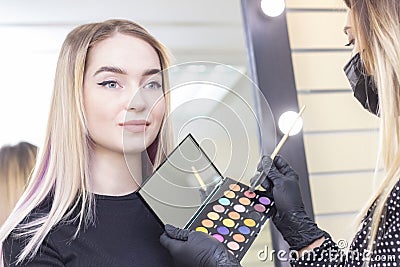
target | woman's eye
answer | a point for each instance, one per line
(153, 85)
(109, 84)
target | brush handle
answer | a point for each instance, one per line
(260, 178)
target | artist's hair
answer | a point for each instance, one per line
(377, 27)
(62, 171)
(16, 165)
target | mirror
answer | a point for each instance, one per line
(177, 189)
(207, 30)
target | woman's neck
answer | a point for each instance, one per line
(110, 174)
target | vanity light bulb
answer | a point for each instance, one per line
(273, 8)
(286, 120)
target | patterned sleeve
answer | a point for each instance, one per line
(328, 254)
(386, 251)
(386, 245)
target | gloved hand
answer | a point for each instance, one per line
(196, 249)
(291, 218)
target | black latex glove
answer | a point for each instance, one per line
(291, 218)
(196, 249)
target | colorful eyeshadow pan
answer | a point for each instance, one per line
(244, 230)
(265, 200)
(213, 215)
(249, 194)
(202, 229)
(244, 201)
(218, 208)
(228, 223)
(259, 207)
(233, 245)
(249, 222)
(219, 237)
(239, 238)
(224, 201)
(207, 223)
(229, 194)
(223, 230)
(239, 208)
(234, 216)
(234, 187)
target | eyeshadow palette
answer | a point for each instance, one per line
(236, 217)
(189, 192)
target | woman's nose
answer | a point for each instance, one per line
(136, 101)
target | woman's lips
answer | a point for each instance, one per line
(135, 126)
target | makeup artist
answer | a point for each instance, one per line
(373, 28)
(81, 206)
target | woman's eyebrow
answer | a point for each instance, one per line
(151, 72)
(110, 69)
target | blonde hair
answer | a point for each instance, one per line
(377, 28)
(62, 171)
(16, 165)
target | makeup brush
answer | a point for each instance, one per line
(260, 178)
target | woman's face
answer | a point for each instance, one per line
(123, 94)
(351, 35)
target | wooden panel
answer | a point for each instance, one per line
(303, 32)
(339, 227)
(331, 152)
(315, 4)
(335, 193)
(320, 70)
(335, 111)
(341, 151)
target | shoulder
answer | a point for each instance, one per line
(15, 243)
(47, 254)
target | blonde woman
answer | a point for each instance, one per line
(373, 27)
(16, 165)
(81, 206)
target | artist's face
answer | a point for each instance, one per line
(123, 94)
(350, 33)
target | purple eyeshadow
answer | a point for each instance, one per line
(264, 200)
(219, 237)
(223, 230)
(244, 230)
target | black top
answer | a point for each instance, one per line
(125, 233)
(386, 251)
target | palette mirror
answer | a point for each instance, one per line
(177, 189)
